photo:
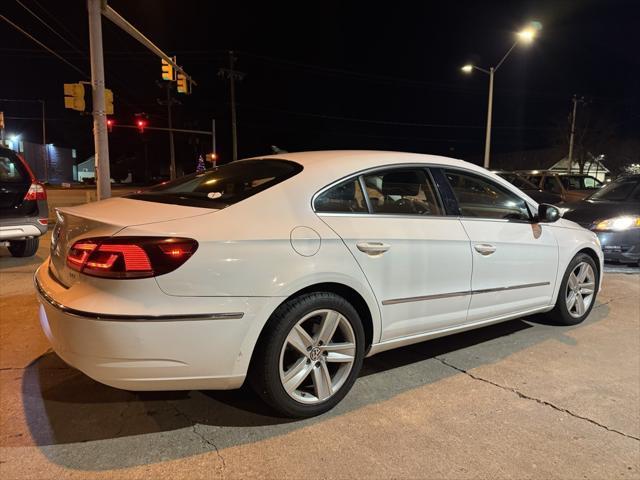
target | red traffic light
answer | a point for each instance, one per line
(141, 124)
(110, 124)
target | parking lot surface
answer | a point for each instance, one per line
(523, 399)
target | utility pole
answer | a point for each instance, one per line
(232, 75)
(213, 138)
(169, 102)
(44, 143)
(100, 135)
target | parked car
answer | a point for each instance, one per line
(569, 186)
(529, 188)
(23, 206)
(613, 213)
(288, 270)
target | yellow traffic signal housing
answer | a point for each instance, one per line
(74, 96)
(108, 101)
(168, 73)
(183, 84)
(1, 120)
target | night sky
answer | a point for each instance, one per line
(334, 75)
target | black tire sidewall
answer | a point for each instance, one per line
(24, 248)
(282, 321)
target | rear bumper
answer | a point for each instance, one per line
(183, 351)
(21, 228)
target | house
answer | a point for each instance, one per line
(86, 169)
(593, 166)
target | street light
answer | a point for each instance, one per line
(526, 35)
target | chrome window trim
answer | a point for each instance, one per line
(130, 318)
(395, 301)
(428, 166)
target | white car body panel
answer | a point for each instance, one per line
(197, 326)
(421, 248)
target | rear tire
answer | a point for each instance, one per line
(24, 248)
(578, 290)
(309, 355)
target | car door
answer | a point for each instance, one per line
(416, 259)
(514, 260)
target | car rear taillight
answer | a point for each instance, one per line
(36, 192)
(129, 257)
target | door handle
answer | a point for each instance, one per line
(373, 248)
(484, 249)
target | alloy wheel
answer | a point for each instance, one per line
(317, 356)
(580, 289)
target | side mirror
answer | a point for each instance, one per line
(548, 213)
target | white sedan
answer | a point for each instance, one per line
(288, 270)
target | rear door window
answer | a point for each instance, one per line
(12, 170)
(222, 186)
(403, 191)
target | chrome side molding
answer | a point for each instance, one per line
(395, 301)
(131, 318)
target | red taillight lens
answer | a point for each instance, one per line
(129, 257)
(36, 192)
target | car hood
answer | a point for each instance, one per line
(590, 211)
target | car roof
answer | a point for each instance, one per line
(352, 161)
(323, 168)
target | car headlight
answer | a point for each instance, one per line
(619, 223)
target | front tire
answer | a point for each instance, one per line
(310, 355)
(578, 290)
(24, 248)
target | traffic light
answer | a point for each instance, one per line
(168, 73)
(141, 123)
(108, 101)
(110, 123)
(183, 84)
(74, 96)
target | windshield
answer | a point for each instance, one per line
(618, 191)
(222, 186)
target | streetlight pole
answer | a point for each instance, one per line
(44, 143)
(487, 140)
(526, 36)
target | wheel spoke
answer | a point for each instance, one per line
(571, 301)
(296, 374)
(340, 352)
(587, 288)
(322, 381)
(573, 281)
(328, 326)
(582, 274)
(300, 339)
(579, 304)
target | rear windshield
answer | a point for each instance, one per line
(12, 170)
(222, 186)
(577, 182)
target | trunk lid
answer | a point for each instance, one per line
(105, 219)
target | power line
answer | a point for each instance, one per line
(59, 35)
(60, 57)
(390, 122)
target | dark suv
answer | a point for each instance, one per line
(23, 206)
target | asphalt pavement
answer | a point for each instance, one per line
(523, 399)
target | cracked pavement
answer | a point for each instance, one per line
(523, 399)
